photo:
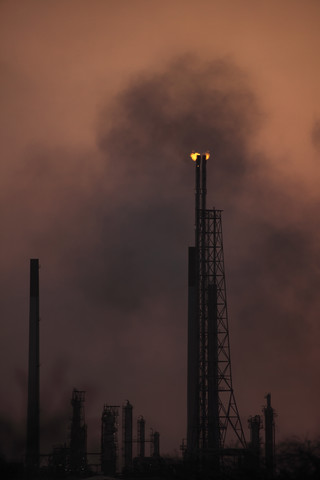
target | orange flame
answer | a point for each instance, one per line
(194, 156)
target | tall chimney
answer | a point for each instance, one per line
(32, 450)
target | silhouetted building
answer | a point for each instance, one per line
(213, 416)
(127, 436)
(109, 439)
(78, 433)
(32, 447)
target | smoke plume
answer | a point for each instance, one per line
(111, 227)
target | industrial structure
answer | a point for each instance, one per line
(142, 464)
(212, 414)
(73, 457)
(32, 447)
(109, 439)
(127, 436)
(58, 460)
(154, 444)
(255, 425)
(269, 437)
(141, 429)
(214, 429)
(78, 433)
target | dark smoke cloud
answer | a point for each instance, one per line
(111, 228)
(156, 122)
(161, 118)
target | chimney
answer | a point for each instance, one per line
(32, 450)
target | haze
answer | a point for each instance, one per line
(102, 102)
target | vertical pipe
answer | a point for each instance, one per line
(197, 200)
(197, 291)
(193, 406)
(193, 357)
(204, 182)
(203, 306)
(32, 450)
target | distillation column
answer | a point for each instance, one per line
(155, 444)
(78, 433)
(127, 436)
(255, 425)
(141, 427)
(32, 450)
(269, 437)
(109, 439)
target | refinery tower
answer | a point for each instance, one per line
(213, 421)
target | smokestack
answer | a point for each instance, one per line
(32, 450)
(193, 320)
(204, 182)
(198, 197)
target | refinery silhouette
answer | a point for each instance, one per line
(215, 445)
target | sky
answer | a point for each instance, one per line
(101, 104)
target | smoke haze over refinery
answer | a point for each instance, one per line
(102, 105)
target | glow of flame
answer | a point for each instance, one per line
(207, 154)
(194, 156)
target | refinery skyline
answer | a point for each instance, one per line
(97, 182)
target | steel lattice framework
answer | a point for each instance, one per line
(213, 417)
(214, 338)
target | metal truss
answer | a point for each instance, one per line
(218, 412)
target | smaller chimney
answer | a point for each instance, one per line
(32, 450)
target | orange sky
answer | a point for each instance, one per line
(63, 65)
